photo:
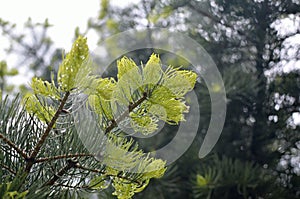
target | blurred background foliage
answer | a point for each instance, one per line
(258, 154)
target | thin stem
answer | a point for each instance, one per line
(126, 113)
(74, 164)
(11, 144)
(31, 159)
(8, 169)
(63, 157)
(89, 169)
(102, 172)
(70, 164)
(68, 186)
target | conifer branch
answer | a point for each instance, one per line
(15, 147)
(102, 172)
(8, 169)
(40, 160)
(89, 169)
(31, 159)
(95, 171)
(123, 115)
(70, 164)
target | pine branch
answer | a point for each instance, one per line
(102, 172)
(31, 159)
(123, 115)
(15, 147)
(8, 169)
(70, 164)
(63, 157)
(75, 164)
(89, 169)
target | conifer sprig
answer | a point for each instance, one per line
(55, 156)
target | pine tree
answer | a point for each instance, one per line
(42, 154)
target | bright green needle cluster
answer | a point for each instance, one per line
(38, 108)
(129, 168)
(155, 94)
(45, 88)
(69, 73)
(6, 194)
(74, 74)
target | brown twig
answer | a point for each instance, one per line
(126, 113)
(15, 147)
(8, 169)
(89, 169)
(31, 160)
(70, 164)
(74, 164)
(63, 157)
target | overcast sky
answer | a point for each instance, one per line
(64, 15)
